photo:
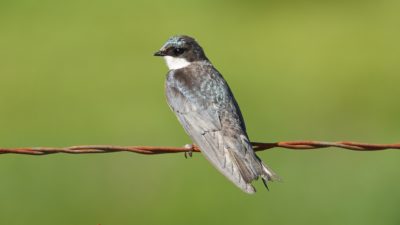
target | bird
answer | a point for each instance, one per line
(206, 108)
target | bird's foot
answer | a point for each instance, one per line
(190, 148)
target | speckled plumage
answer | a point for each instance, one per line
(209, 113)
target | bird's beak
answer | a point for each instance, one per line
(160, 53)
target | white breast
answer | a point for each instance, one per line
(176, 63)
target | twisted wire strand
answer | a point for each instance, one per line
(150, 150)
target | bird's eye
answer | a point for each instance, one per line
(178, 51)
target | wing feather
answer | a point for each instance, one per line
(206, 108)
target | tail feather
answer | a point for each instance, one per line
(268, 174)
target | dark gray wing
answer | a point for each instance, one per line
(206, 108)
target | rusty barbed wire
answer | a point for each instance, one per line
(149, 150)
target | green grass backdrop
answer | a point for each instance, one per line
(82, 72)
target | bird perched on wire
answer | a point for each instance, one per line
(204, 104)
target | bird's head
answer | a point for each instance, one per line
(180, 51)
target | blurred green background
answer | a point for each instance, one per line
(82, 72)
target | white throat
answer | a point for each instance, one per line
(176, 63)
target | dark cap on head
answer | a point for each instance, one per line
(182, 46)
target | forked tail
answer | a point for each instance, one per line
(268, 175)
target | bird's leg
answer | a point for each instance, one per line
(190, 148)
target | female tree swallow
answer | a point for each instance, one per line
(204, 104)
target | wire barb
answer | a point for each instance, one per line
(188, 149)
